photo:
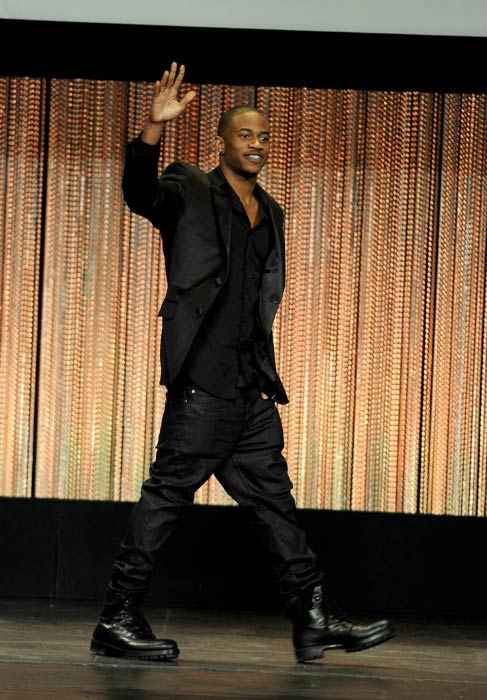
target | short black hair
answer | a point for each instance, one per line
(227, 116)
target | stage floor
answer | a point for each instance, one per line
(44, 655)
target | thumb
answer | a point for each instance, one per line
(187, 98)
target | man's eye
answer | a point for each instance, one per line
(264, 139)
(244, 136)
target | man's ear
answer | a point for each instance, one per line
(219, 146)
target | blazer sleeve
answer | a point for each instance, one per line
(162, 199)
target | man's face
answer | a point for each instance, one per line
(245, 144)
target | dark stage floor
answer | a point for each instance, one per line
(44, 656)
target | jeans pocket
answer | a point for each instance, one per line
(200, 397)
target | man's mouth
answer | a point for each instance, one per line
(255, 157)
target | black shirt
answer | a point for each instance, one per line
(224, 349)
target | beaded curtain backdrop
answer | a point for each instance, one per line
(381, 336)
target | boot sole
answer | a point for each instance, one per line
(305, 654)
(102, 649)
(309, 653)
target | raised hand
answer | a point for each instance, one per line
(165, 103)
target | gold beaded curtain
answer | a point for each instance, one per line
(381, 337)
(22, 115)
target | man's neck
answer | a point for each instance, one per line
(243, 187)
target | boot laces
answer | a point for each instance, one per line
(131, 616)
(335, 612)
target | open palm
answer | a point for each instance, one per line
(165, 103)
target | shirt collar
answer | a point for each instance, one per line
(226, 187)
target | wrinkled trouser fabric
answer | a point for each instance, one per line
(239, 441)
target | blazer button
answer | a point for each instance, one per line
(218, 281)
(199, 310)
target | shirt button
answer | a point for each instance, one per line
(199, 310)
(218, 281)
(274, 300)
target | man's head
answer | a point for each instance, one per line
(243, 141)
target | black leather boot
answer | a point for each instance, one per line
(318, 627)
(123, 631)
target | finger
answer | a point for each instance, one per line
(172, 74)
(187, 98)
(164, 79)
(180, 76)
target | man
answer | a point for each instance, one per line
(224, 253)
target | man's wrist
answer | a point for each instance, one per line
(155, 121)
(152, 132)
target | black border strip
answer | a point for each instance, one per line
(244, 56)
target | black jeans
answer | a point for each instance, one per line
(241, 442)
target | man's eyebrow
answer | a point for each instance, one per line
(246, 128)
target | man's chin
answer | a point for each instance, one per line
(246, 171)
(251, 171)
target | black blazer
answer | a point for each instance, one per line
(194, 218)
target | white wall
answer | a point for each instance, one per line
(433, 17)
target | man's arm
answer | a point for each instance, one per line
(155, 198)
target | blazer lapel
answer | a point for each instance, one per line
(277, 255)
(223, 210)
